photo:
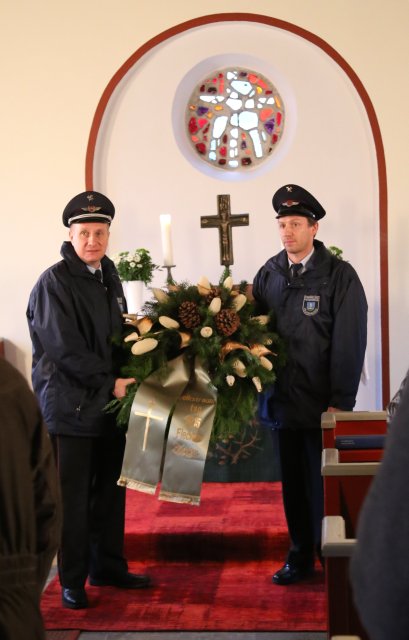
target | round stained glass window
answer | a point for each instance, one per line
(235, 118)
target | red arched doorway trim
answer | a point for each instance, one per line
(303, 33)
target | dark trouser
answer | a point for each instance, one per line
(303, 496)
(93, 507)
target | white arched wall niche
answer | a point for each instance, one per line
(139, 156)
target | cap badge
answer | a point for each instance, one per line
(290, 203)
(289, 188)
(90, 196)
(91, 209)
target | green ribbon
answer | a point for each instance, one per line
(184, 398)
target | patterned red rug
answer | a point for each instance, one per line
(211, 567)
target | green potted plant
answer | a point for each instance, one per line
(135, 271)
(135, 266)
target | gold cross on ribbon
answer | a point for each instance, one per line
(224, 221)
(148, 415)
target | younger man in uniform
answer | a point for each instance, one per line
(321, 312)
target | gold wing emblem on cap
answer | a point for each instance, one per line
(91, 209)
(289, 203)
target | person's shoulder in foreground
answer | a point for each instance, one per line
(379, 566)
(27, 459)
(30, 509)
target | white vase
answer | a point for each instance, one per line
(134, 292)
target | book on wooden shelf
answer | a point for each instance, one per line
(359, 441)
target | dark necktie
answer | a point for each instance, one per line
(295, 270)
(98, 274)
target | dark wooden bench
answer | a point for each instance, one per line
(347, 474)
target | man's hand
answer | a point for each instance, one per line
(333, 410)
(120, 386)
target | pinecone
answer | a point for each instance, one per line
(227, 322)
(189, 314)
(213, 293)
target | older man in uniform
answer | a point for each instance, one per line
(74, 311)
(321, 312)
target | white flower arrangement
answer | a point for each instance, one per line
(135, 266)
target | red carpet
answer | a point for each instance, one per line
(63, 635)
(211, 566)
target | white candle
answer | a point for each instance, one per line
(166, 240)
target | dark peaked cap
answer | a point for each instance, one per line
(89, 206)
(292, 200)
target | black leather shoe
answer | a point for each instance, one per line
(74, 598)
(123, 581)
(290, 573)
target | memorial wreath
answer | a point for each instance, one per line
(216, 324)
(200, 355)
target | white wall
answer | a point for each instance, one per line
(56, 60)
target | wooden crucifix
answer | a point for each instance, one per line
(224, 221)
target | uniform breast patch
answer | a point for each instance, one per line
(311, 305)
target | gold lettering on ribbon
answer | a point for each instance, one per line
(185, 452)
(148, 415)
(194, 421)
(188, 398)
(186, 434)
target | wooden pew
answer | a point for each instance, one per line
(337, 549)
(337, 543)
(347, 474)
(345, 487)
(346, 483)
(347, 424)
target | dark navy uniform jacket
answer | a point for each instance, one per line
(72, 318)
(322, 316)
